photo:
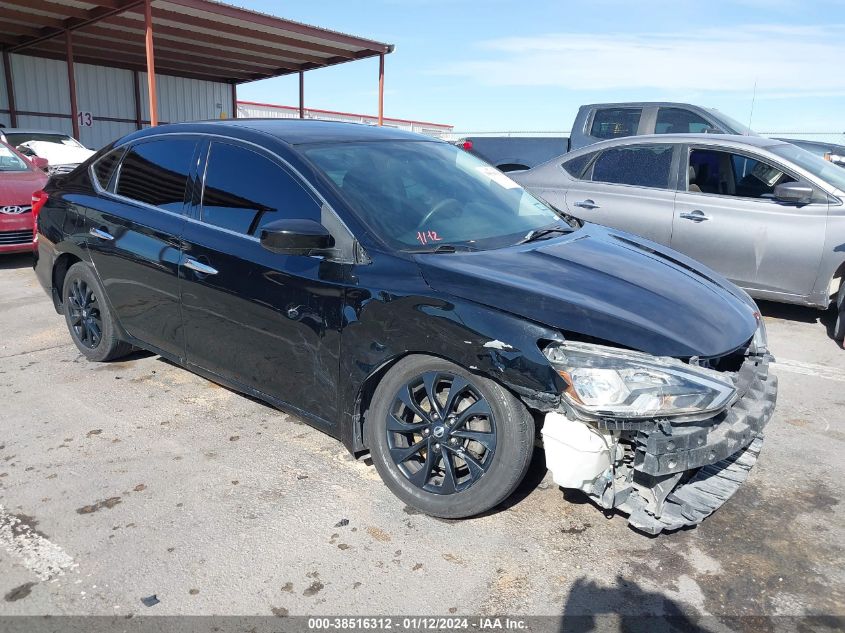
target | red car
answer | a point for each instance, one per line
(21, 182)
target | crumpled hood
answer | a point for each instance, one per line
(606, 284)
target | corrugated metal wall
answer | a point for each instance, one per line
(41, 86)
(182, 99)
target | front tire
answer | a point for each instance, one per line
(445, 441)
(839, 326)
(88, 317)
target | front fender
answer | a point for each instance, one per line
(483, 340)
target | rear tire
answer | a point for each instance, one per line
(457, 457)
(88, 317)
(839, 326)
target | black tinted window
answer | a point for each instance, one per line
(244, 191)
(679, 121)
(640, 165)
(104, 168)
(575, 166)
(156, 172)
(615, 122)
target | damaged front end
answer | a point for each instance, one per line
(664, 441)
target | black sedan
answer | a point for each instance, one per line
(416, 303)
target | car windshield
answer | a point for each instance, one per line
(18, 138)
(418, 195)
(9, 161)
(819, 167)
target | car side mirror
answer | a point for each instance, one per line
(296, 237)
(39, 162)
(793, 193)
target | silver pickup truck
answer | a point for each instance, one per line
(600, 122)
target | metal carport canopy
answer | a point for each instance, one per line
(199, 39)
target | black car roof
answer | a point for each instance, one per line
(292, 131)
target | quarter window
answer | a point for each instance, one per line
(638, 165)
(156, 172)
(245, 190)
(680, 121)
(615, 122)
(575, 166)
(104, 168)
(728, 174)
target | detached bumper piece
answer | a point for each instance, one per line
(692, 502)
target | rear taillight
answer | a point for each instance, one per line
(467, 145)
(39, 199)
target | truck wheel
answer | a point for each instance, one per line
(445, 441)
(839, 327)
(88, 318)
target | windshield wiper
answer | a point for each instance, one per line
(536, 234)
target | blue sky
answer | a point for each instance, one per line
(502, 65)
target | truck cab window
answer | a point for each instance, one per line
(680, 121)
(615, 122)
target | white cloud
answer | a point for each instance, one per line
(784, 60)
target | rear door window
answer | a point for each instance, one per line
(104, 167)
(637, 165)
(615, 122)
(680, 121)
(156, 172)
(245, 190)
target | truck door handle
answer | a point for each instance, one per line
(199, 267)
(99, 233)
(695, 216)
(586, 204)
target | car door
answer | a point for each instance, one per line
(266, 321)
(629, 187)
(727, 218)
(133, 231)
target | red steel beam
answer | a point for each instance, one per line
(234, 100)
(381, 89)
(301, 94)
(71, 82)
(136, 79)
(10, 89)
(64, 10)
(151, 63)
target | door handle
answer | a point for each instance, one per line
(98, 233)
(199, 267)
(586, 204)
(695, 216)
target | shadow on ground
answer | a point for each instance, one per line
(802, 314)
(16, 261)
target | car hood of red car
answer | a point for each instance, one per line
(17, 187)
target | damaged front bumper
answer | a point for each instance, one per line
(665, 474)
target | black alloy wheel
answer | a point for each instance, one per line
(447, 441)
(88, 317)
(85, 318)
(441, 433)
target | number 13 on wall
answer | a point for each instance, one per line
(86, 119)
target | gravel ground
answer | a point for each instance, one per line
(125, 480)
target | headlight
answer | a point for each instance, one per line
(623, 384)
